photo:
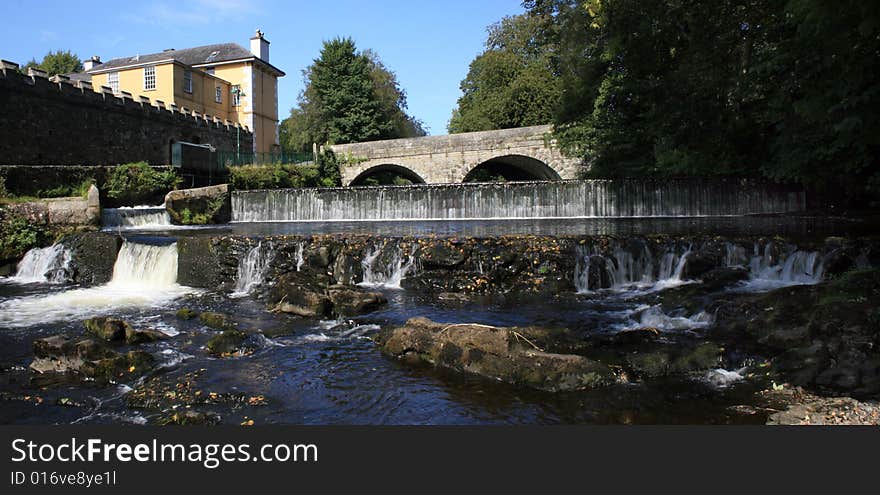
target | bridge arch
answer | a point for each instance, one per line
(511, 168)
(383, 174)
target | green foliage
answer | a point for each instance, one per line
(786, 90)
(349, 96)
(57, 62)
(138, 183)
(511, 84)
(273, 176)
(64, 191)
(17, 236)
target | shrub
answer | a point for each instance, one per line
(17, 236)
(273, 176)
(138, 183)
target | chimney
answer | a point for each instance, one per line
(91, 63)
(260, 46)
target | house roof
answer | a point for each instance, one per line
(200, 55)
(79, 76)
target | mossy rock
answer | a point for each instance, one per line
(108, 329)
(187, 314)
(219, 321)
(226, 343)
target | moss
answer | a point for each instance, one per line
(215, 320)
(187, 314)
(226, 343)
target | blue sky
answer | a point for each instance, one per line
(428, 44)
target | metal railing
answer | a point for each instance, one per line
(227, 159)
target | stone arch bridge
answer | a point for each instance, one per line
(525, 153)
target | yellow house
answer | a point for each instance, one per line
(224, 80)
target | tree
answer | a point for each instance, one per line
(57, 62)
(512, 83)
(349, 96)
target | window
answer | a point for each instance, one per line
(188, 81)
(149, 78)
(236, 95)
(113, 81)
(218, 94)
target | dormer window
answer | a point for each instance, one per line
(187, 81)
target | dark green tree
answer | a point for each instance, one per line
(349, 96)
(512, 83)
(57, 62)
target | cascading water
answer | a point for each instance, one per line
(388, 276)
(769, 270)
(512, 200)
(135, 217)
(252, 268)
(300, 259)
(46, 265)
(623, 270)
(144, 276)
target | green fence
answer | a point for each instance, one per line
(232, 158)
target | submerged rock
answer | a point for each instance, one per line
(215, 320)
(87, 357)
(226, 343)
(187, 314)
(502, 354)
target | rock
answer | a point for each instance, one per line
(134, 337)
(92, 257)
(108, 329)
(189, 417)
(723, 276)
(199, 206)
(350, 301)
(226, 343)
(215, 320)
(295, 293)
(445, 254)
(187, 314)
(111, 369)
(796, 406)
(498, 353)
(87, 357)
(660, 363)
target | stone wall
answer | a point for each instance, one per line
(59, 122)
(73, 211)
(448, 159)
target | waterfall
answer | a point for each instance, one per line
(49, 264)
(136, 217)
(252, 268)
(796, 267)
(582, 269)
(144, 276)
(300, 259)
(518, 200)
(624, 270)
(145, 266)
(734, 255)
(388, 276)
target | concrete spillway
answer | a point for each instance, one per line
(519, 200)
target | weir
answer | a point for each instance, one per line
(137, 217)
(519, 200)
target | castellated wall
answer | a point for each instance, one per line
(60, 122)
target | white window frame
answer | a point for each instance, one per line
(236, 95)
(218, 94)
(187, 81)
(150, 78)
(113, 81)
